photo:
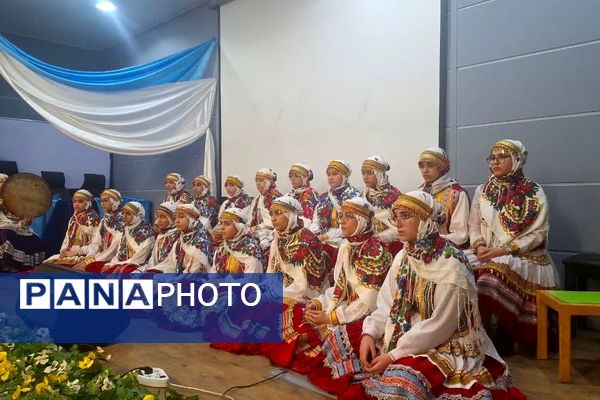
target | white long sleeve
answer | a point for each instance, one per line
(474, 221)
(459, 222)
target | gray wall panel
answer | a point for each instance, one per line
(550, 84)
(141, 175)
(451, 38)
(574, 227)
(500, 29)
(468, 3)
(451, 98)
(560, 150)
(6, 90)
(451, 149)
(17, 108)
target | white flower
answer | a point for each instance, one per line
(42, 358)
(52, 367)
(63, 368)
(107, 384)
(108, 357)
(74, 385)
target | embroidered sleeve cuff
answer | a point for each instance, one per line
(334, 318)
(512, 248)
(477, 243)
(317, 303)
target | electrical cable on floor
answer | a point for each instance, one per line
(221, 395)
(225, 396)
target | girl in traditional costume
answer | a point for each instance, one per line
(362, 265)
(166, 234)
(80, 231)
(300, 176)
(260, 221)
(205, 203)
(192, 252)
(435, 166)
(107, 237)
(174, 185)
(239, 252)
(136, 242)
(508, 228)
(236, 197)
(325, 222)
(297, 254)
(381, 194)
(425, 339)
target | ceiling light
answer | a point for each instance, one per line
(106, 6)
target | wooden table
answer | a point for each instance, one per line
(567, 304)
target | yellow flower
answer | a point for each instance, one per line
(6, 368)
(58, 378)
(91, 355)
(3, 355)
(99, 350)
(39, 388)
(17, 393)
(86, 363)
(28, 379)
(148, 397)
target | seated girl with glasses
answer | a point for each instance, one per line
(508, 228)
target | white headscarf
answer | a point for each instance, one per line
(205, 183)
(239, 219)
(114, 197)
(425, 207)
(168, 207)
(237, 182)
(138, 210)
(343, 167)
(305, 172)
(363, 212)
(192, 214)
(269, 175)
(517, 152)
(379, 166)
(179, 182)
(86, 195)
(438, 156)
(291, 209)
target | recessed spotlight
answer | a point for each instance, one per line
(106, 6)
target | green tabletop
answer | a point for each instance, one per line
(576, 297)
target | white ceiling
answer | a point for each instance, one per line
(79, 23)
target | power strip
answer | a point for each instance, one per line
(158, 378)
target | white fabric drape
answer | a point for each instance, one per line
(152, 120)
(209, 160)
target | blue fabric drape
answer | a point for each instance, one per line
(183, 66)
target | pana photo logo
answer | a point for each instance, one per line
(129, 294)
